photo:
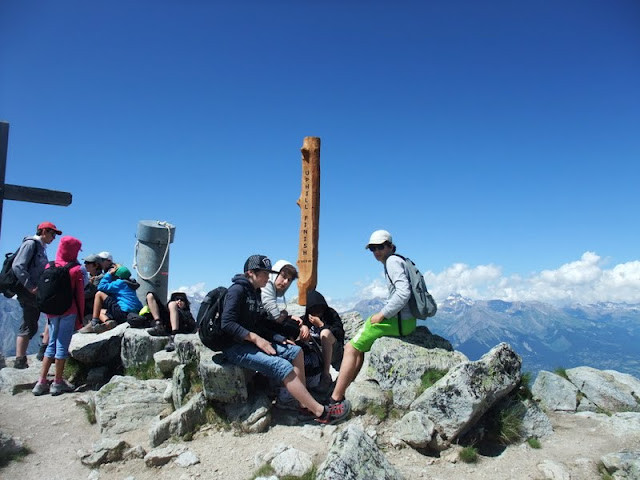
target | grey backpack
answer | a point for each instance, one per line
(421, 303)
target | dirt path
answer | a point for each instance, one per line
(55, 428)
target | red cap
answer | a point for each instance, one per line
(50, 226)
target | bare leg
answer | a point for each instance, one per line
(59, 369)
(298, 367)
(46, 365)
(296, 387)
(174, 318)
(45, 334)
(351, 365)
(327, 340)
(22, 342)
(97, 303)
(153, 306)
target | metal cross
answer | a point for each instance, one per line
(18, 192)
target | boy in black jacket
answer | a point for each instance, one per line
(250, 342)
(324, 325)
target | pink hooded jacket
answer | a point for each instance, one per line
(68, 252)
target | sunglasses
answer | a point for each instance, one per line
(377, 248)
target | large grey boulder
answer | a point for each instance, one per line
(98, 348)
(162, 456)
(398, 364)
(180, 385)
(182, 421)
(253, 416)
(534, 421)
(456, 401)
(625, 379)
(555, 392)
(190, 349)
(166, 362)
(14, 380)
(138, 347)
(414, 429)
(355, 456)
(289, 461)
(126, 403)
(222, 381)
(605, 389)
(623, 465)
(366, 394)
(105, 450)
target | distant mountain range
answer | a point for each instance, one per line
(603, 335)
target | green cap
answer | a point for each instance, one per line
(123, 273)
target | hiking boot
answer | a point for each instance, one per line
(41, 350)
(21, 363)
(103, 327)
(60, 388)
(40, 389)
(335, 413)
(158, 330)
(171, 346)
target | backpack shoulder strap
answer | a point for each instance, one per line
(385, 267)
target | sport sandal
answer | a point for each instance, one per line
(334, 413)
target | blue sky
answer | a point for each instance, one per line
(497, 141)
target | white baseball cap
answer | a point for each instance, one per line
(106, 256)
(379, 237)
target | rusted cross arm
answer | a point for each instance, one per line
(36, 195)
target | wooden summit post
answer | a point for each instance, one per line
(309, 203)
(18, 192)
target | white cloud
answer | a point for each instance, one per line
(196, 291)
(586, 280)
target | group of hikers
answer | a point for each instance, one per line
(294, 352)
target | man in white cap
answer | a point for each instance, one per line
(106, 261)
(395, 319)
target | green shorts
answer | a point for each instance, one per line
(370, 332)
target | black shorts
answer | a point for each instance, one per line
(30, 314)
(114, 311)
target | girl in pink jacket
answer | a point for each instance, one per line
(61, 327)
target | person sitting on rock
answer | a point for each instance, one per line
(395, 319)
(106, 261)
(92, 264)
(175, 318)
(116, 297)
(62, 326)
(276, 287)
(249, 342)
(323, 325)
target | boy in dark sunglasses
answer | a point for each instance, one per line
(395, 319)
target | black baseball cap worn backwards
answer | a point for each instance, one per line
(258, 262)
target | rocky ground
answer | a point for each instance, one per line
(55, 428)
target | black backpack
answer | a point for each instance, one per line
(209, 318)
(54, 295)
(9, 284)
